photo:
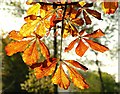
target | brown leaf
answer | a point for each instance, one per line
(77, 64)
(78, 12)
(30, 18)
(41, 71)
(96, 34)
(61, 78)
(94, 13)
(15, 47)
(87, 18)
(71, 45)
(78, 21)
(31, 55)
(73, 30)
(81, 48)
(44, 50)
(96, 46)
(15, 35)
(77, 79)
(82, 32)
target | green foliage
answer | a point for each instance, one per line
(95, 85)
(13, 71)
(42, 86)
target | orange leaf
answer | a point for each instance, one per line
(44, 50)
(15, 47)
(81, 48)
(77, 79)
(96, 34)
(94, 13)
(15, 35)
(71, 45)
(31, 55)
(82, 32)
(41, 72)
(61, 78)
(87, 18)
(52, 24)
(77, 64)
(78, 21)
(110, 7)
(34, 9)
(96, 46)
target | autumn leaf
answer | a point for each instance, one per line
(96, 34)
(34, 9)
(31, 55)
(96, 46)
(15, 47)
(81, 48)
(44, 71)
(76, 64)
(30, 18)
(77, 79)
(28, 28)
(15, 35)
(78, 21)
(109, 7)
(94, 13)
(44, 50)
(71, 45)
(87, 18)
(61, 78)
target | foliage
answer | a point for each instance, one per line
(94, 82)
(42, 86)
(12, 71)
(40, 20)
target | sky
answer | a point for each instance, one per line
(10, 22)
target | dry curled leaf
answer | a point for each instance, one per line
(77, 64)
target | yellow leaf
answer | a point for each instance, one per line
(47, 23)
(34, 9)
(28, 28)
(31, 55)
(42, 13)
(15, 47)
(77, 79)
(61, 78)
(41, 30)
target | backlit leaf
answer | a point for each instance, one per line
(71, 45)
(28, 28)
(31, 55)
(42, 13)
(94, 13)
(81, 48)
(96, 34)
(15, 35)
(77, 64)
(44, 50)
(61, 78)
(77, 79)
(30, 18)
(109, 7)
(41, 30)
(87, 18)
(96, 46)
(41, 72)
(15, 47)
(34, 9)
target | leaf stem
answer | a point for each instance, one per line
(62, 30)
